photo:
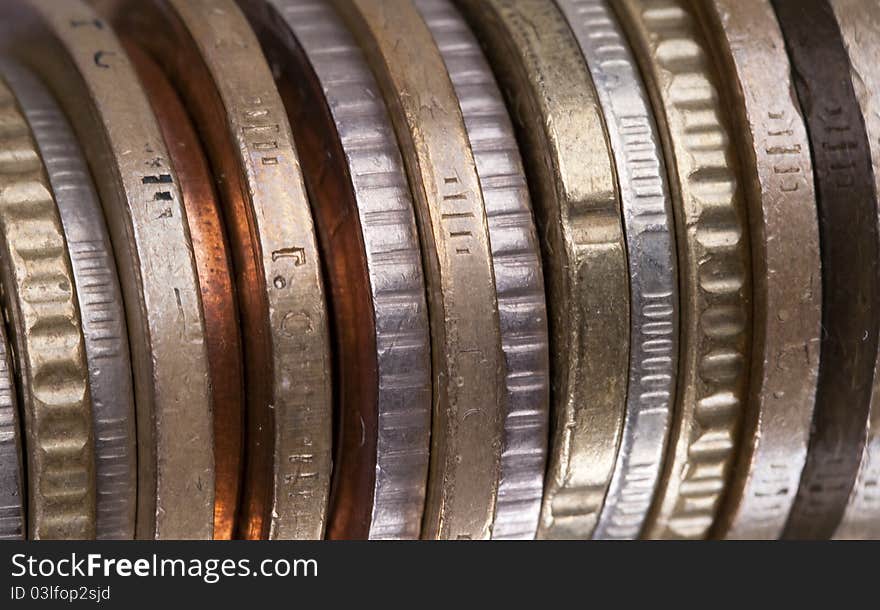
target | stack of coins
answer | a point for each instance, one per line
(443, 269)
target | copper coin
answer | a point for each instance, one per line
(212, 57)
(215, 283)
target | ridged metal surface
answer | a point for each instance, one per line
(39, 302)
(714, 264)
(519, 279)
(777, 179)
(100, 303)
(650, 236)
(394, 264)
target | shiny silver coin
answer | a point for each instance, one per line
(100, 303)
(519, 278)
(650, 240)
(391, 257)
(12, 497)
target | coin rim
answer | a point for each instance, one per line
(83, 64)
(518, 273)
(568, 162)
(109, 366)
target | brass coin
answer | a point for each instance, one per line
(714, 265)
(646, 208)
(848, 232)
(519, 279)
(859, 23)
(213, 58)
(568, 162)
(367, 231)
(99, 298)
(215, 283)
(13, 497)
(82, 62)
(777, 180)
(468, 364)
(40, 307)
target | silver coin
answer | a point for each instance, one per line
(648, 225)
(393, 260)
(516, 260)
(12, 496)
(100, 302)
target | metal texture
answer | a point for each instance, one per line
(39, 304)
(215, 284)
(714, 264)
(211, 55)
(777, 178)
(570, 170)
(859, 23)
(99, 298)
(519, 278)
(848, 233)
(467, 358)
(650, 237)
(13, 497)
(366, 223)
(84, 65)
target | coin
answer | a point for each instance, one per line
(848, 232)
(215, 284)
(714, 265)
(777, 179)
(13, 525)
(519, 278)
(859, 22)
(569, 166)
(366, 222)
(467, 358)
(211, 55)
(99, 299)
(82, 62)
(649, 229)
(40, 308)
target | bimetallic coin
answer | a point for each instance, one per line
(859, 23)
(777, 178)
(40, 307)
(99, 298)
(213, 58)
(848, 233)
(467, 358)
(650, 238)
(714, 264)
(366, 223)
(12, 494)
(568, 162)
(215, 284)
(519, 279)
(84, 65)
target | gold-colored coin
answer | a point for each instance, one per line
(777, 180)
(82, 61)
(212, 56)
(569, 165)
(468, 365)
(714, 265)
(40, 307)
(859, 24)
